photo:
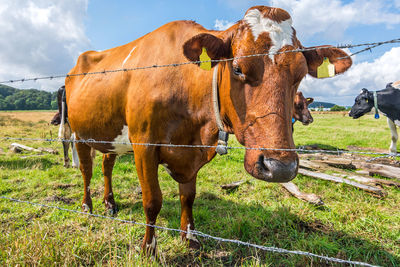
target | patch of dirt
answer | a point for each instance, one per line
(64, 200)
(63, 186)
(314, 226)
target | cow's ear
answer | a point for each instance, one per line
(310, 100)
(216, 47)
(336, 56)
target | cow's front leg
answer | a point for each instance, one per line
(86, 163)
(147, 169)
(187, 193)
(108, 165)
(393, 144)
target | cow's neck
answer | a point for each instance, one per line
(224, 101)
(222, 134)
(389, 102)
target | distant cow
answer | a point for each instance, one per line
(301, 112)
(133, 109)
(387, 101)
(65, 133)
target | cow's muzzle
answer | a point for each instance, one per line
(355, 115)
(308, 121)
(272, 170)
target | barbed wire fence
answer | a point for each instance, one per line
(369, 46)
(301, 150)
(196, 233)
(347, 46)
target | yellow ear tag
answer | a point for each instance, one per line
(204, 57)
(326, 70)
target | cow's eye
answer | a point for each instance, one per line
(237, 70)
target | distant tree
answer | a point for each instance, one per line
(338, 108)
(54, 104)
(29, 99)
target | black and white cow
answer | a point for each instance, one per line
(64, 132)
(387, 102)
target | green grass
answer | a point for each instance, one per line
(353, 225)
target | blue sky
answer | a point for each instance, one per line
(45, 37)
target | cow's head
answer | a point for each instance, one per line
(56, 120)
(257, 93)
(363, 104)
(301, 112)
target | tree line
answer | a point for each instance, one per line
(26, 99)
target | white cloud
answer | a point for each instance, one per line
(222, 25)
(342, 89)
(40, 38)
(332, 18)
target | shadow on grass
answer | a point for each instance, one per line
(315, 146)
(261, 225)
(27, 163)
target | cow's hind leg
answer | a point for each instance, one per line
(75, 158)
(86, 163)
(187, 194)
(147, 168)
(66, 156)
(108, 165)
(393, 144)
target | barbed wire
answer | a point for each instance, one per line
(348, 46)
(197, 233)
(92, 141)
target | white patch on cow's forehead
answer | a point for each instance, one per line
(119, 146)
(130, 53)
(280, 33)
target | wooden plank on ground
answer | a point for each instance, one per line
(374, 190)
(16, 147)
(308, 197)
(309, 164)
(380, 169)
(368, 180)
(344, 163)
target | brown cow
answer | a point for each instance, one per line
(301, 112)
(174, 105)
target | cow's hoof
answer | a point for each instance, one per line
(191, 241)
(150, 250)
(110, 205)
(86, 208)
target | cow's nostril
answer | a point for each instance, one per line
(276, 171)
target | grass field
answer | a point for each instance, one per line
(353, 225)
